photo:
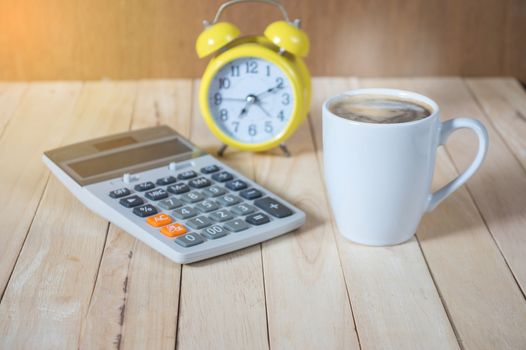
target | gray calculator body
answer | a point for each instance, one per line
(152, 176)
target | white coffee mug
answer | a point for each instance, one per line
(379, 176)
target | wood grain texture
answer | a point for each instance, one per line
(51, 286)
(307, 302)
(38, 124)
(504, 102)
(62, 39)
(73, 286)
(499, 186)
(122, 311)
(10, 97)
(394, 299)
(223, 299)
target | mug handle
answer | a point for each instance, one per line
(446, 129)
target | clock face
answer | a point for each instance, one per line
(251, 100)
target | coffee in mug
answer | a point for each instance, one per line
(378, 109)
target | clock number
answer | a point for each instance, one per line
(234, 71)
(268, 71)
(224, 83)
(223, 115)
(268, 127)
(218, 99)
(279, 82)
(252, 67)
(252, 131)
(285, 99)
(281, 116)
(236, 126)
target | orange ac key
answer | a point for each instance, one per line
(173, 230)
(159, 220)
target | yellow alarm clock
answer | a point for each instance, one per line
(256, 90)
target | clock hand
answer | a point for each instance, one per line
(233, 99)
(244, 110)
(270, 91)
(263, 109)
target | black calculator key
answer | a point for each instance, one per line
(145, 186)
(257, 219)
(236, 185)
(167, 180)
(178, 188)
(222, 176)
(145, 210)
(131, 201)
(273, 207)
(251, 193)
(185, 175)
(210, 169)
(121, 192)
(189, 240)
(200, 182)
(156, 194)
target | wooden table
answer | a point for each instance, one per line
(68, 279)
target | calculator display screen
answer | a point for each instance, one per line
(128, 157)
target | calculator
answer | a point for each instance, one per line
(166, 192)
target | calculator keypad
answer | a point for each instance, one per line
(178, 188)
(200, 182)
(213, 204)
(185, 175)
(156, 194)
(170, 203)
(145, 210)
(159, 220)
(236, 185)
(185, 213)
(251, 193)
(223, 176)
(163, 181)
(131, 201)
(120, 192)
(189, 240)
(214, 191)
(145, 186)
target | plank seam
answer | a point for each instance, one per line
(442, 300)
(334, 229)
(472, 197)
(118, 340)
(264, 293)
(25, 238)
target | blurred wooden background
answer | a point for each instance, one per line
(130, 39)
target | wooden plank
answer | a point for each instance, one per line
(499, 187)
(307, 301)
(222, 299)
(137, 288)
(394, 299)
(476, 286)
(10, 96)
(38, 124)
(503, 101)
(52, 283)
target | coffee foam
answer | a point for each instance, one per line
(379, 109)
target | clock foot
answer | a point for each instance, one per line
(222, 150)
(285, 150)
